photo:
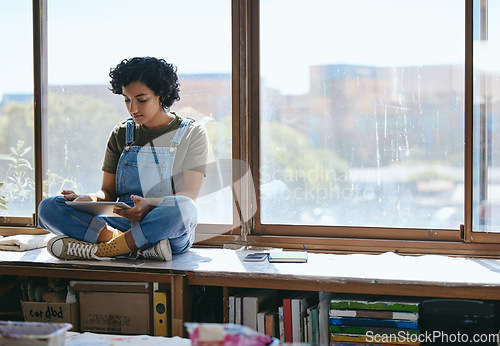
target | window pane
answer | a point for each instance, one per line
(16, 110)
(362, 113)
(486, 215)
(87, 38)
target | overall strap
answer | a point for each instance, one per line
(129, 137)
(175, 142)
(180, 132)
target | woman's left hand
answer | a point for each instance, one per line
(138, 212)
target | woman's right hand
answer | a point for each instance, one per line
(72, 196)
(138, 211)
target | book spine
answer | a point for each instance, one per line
(340, 329)
(261, 326)
(249, 311)
(395, 315)
(270, 324)
(315, 326)
(287, 319)
(342, 313)
(323, 307)
(308, 328)
(348, 321)
(297, 322)
(281, 324)
(367, 305)
(231, 309)
(410, 316)
(238, 310)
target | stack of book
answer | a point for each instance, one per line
(303, 318)
(374, 320)
(288, 316)
(250, 308)
(296, 317)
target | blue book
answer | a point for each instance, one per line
(372, 322)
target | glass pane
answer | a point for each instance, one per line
(17, 193)
(486, 216)
(362, 113)
(87, 38)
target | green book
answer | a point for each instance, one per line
(370, 302)
(315, 325)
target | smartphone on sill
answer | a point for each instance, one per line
(256, 257)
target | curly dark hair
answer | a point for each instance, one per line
(156, 74)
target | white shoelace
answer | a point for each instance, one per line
(150, 253)
(83, 250)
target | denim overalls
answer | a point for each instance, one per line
(145, 171)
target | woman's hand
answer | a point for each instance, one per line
(70, 195)
(138, 212)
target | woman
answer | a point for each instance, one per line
(154, 162)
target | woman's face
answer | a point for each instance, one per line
(143, 105)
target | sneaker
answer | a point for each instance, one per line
(67, 248)
(160, 251)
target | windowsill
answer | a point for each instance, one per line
(386, 268)
(388, 273)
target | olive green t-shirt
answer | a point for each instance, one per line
(191, 152)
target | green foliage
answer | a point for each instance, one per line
(54, 184)
(3, 202)
(16, 124)
(20, 184)
(289, 157)
(78, 127)
(292, 158)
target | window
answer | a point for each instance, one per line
(365, 133)
(363, 126)
(362, 113)
(486, 117)
(16, 113)
(84, 40)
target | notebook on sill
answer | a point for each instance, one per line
(98, 208)
(277, 256)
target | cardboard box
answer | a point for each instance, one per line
(52, 312)
(114, 307)
(115, 312)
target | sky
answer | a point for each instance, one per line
(86, 38)
(84, 43)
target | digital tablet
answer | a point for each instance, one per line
(98, 208)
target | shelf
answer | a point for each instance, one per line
(389, 273)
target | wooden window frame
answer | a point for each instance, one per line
(246, 117)
(246, 148)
